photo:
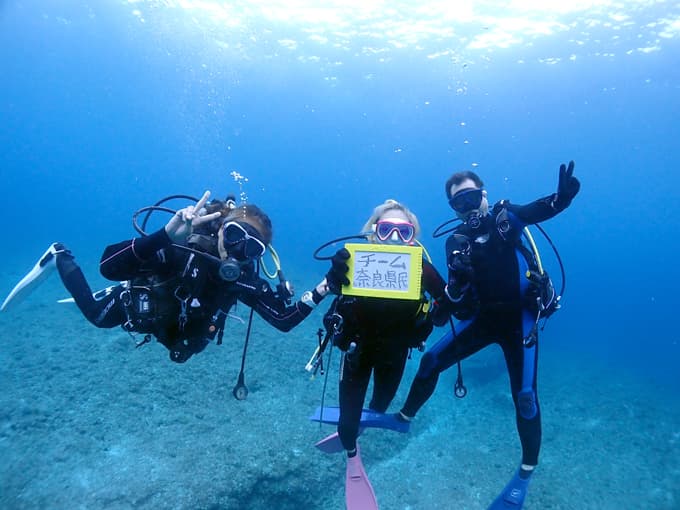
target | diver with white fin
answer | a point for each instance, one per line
(179, 284)
(57, 257)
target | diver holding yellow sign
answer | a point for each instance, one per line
(380, 313)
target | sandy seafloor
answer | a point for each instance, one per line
(88, 421)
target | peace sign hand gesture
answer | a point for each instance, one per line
(182, 223)
(567, 188)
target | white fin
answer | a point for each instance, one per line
(42, 269)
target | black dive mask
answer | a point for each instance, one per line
(466, 201)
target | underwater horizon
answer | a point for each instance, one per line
(317, 112)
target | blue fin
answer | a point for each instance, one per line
(368, 419)
(512, 497)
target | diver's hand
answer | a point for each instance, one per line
(567, 188)
(337, 275)
(461, 275)
(181, 224)
(461, 271)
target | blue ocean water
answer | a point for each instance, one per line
(326, 110)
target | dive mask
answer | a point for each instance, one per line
(392, 230)
(466, 200)
(241, 241)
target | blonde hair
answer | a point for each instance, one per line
(379, 212)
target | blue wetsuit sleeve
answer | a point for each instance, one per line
(124, 260)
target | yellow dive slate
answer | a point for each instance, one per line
(384, 271)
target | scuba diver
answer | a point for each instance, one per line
(179, 284)
(375, 335)
(498, 291)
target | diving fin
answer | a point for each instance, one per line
(512, 497)
(369, 418)
(332, 443)
(42, 269)
(359, 493)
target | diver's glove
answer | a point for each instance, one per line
(567, 188)
(460, 267)
(461, 274)
(337, 275)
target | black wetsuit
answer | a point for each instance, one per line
(173, 294)
(498, 306)
(383, 330)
